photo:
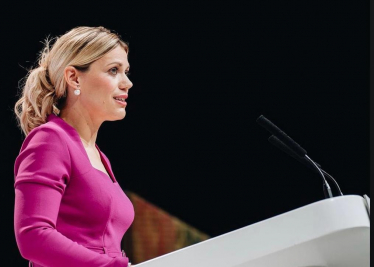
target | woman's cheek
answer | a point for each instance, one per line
(108, 84)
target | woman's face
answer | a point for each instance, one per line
(106, 80)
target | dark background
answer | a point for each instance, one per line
(203, 72)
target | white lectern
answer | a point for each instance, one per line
(332, 232)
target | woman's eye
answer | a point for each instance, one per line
(127, 73)
(114, 70)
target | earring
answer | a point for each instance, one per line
(77, 91)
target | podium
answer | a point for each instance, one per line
(332, 232)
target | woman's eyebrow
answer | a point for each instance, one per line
(115, 62)
(119, 63)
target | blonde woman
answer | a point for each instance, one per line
(69, 208)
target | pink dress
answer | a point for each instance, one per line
(67, 213)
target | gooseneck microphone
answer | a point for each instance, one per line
(282, 146)
(268, 125)
(296, 148)
(279, 144)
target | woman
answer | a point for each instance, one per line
(69, 208)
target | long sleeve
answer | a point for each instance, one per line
(42, 173)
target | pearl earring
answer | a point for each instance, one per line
(77, 91)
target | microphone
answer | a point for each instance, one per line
(279, 144)
(268, 125)
(286, 149)
(296, 148)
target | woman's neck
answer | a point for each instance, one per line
(83, 123)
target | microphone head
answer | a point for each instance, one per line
(262, 120)
(273, 129)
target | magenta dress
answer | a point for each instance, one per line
(67, 213)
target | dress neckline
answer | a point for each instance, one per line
(74, 133)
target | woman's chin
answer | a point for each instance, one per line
(121, 115)
(115, 114)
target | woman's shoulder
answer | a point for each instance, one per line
(44, 151)
(49, 132)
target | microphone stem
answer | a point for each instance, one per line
(332, 179)
(325, 183)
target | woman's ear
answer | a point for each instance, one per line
(71, 76)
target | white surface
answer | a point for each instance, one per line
(331, 232)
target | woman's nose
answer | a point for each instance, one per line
(125, 84)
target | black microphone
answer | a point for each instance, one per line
(268, 125)
(286, 149)
(282, 146)
(296, 148)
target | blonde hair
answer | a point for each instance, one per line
(45, 89)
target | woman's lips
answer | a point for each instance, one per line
(123, 103)
(122, 100)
